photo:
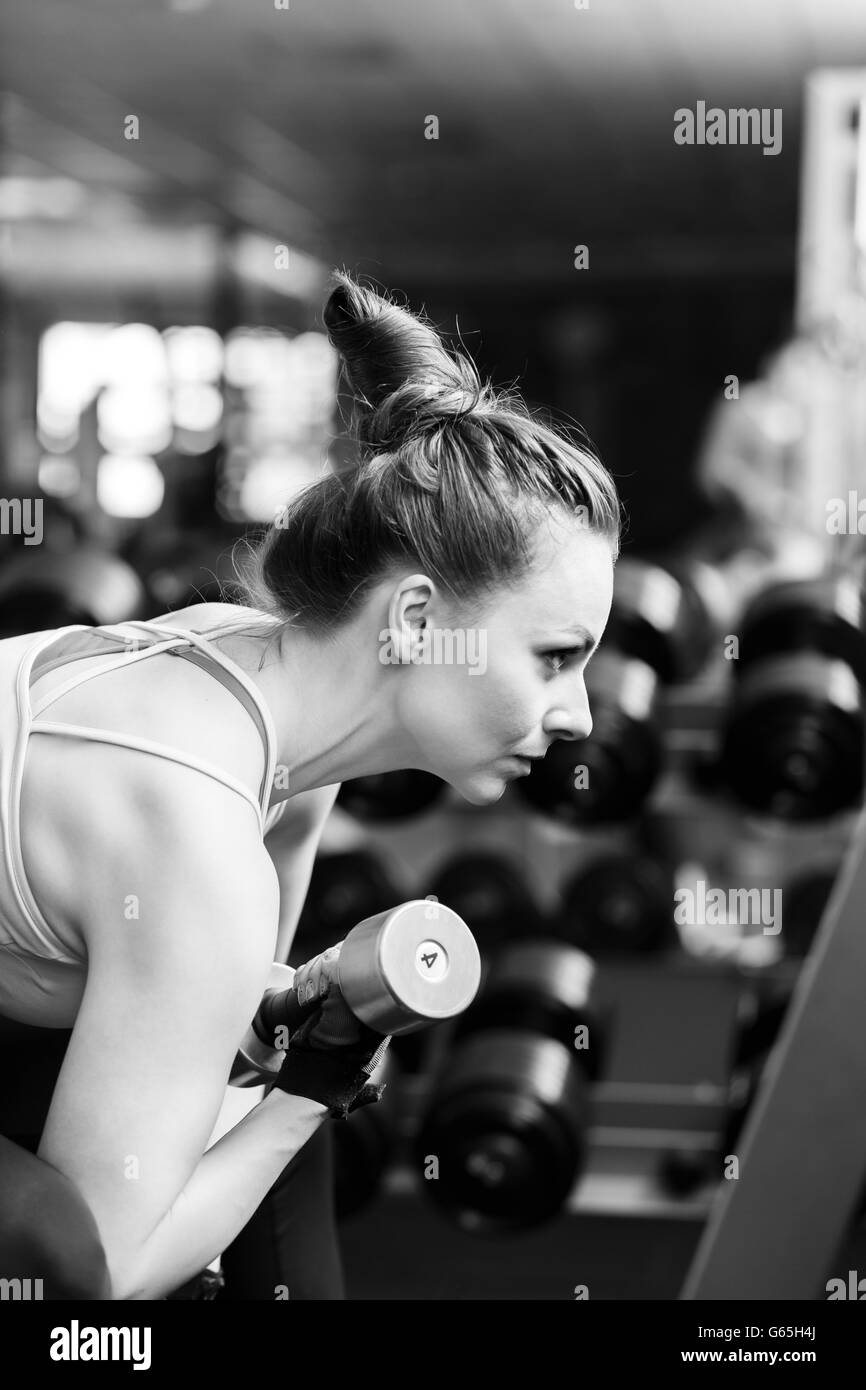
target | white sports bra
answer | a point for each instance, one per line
(41, 975)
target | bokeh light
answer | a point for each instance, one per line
(129, 486)
(134, 352)
(194, 354)
(59, 477)
(134, 419)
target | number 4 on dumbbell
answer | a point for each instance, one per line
(394, 974)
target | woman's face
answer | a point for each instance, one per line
(479, 701)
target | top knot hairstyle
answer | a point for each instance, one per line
(450, 479)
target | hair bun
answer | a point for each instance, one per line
(401, 375)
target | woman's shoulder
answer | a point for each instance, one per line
(176, 703)
(73, 788)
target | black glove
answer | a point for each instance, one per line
(331, 1057)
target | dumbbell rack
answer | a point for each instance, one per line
(778, 1232)
(635, 1120)
(665, 1085)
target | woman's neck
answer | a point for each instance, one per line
(329, 702)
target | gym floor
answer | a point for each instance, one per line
(420, 1256)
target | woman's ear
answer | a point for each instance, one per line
(408, 617)
(409, 646)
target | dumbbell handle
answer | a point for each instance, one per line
(259, 1057)
(281, 1008)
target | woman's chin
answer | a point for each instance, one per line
(483, 790)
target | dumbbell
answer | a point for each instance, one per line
(506, 1120)
(345, 888)
(665, 615)
(398, 971)
(794, 741)
(491, 895)
(87, 586)
(619, 903)
(387, 796)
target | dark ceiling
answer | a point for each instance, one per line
(307, 124)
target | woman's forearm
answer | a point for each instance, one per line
(221, 1196)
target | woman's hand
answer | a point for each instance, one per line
(314, 979)
(332, 1055)
(336, 1025)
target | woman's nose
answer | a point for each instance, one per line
(570, 725)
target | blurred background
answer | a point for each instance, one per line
(177, 180)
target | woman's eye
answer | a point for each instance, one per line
(561, 655)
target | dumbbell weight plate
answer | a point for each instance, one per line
(647, 606)
(663, 615)
(618, 903)
(543, 986)
(793, 746)
(387, 796)
(508, 1112)
(421, 956)
(823, 616)
(507, 1125)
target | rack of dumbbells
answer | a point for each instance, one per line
(643, 903)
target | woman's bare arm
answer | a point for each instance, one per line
(292, 845)
(216, 1204)
(179, 907)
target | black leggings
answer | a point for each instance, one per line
(289, 1248)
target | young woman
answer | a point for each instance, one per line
(140, 907)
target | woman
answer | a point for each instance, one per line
(139, 906)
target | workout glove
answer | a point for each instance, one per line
(332, 1055)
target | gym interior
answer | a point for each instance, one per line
(652, 219)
